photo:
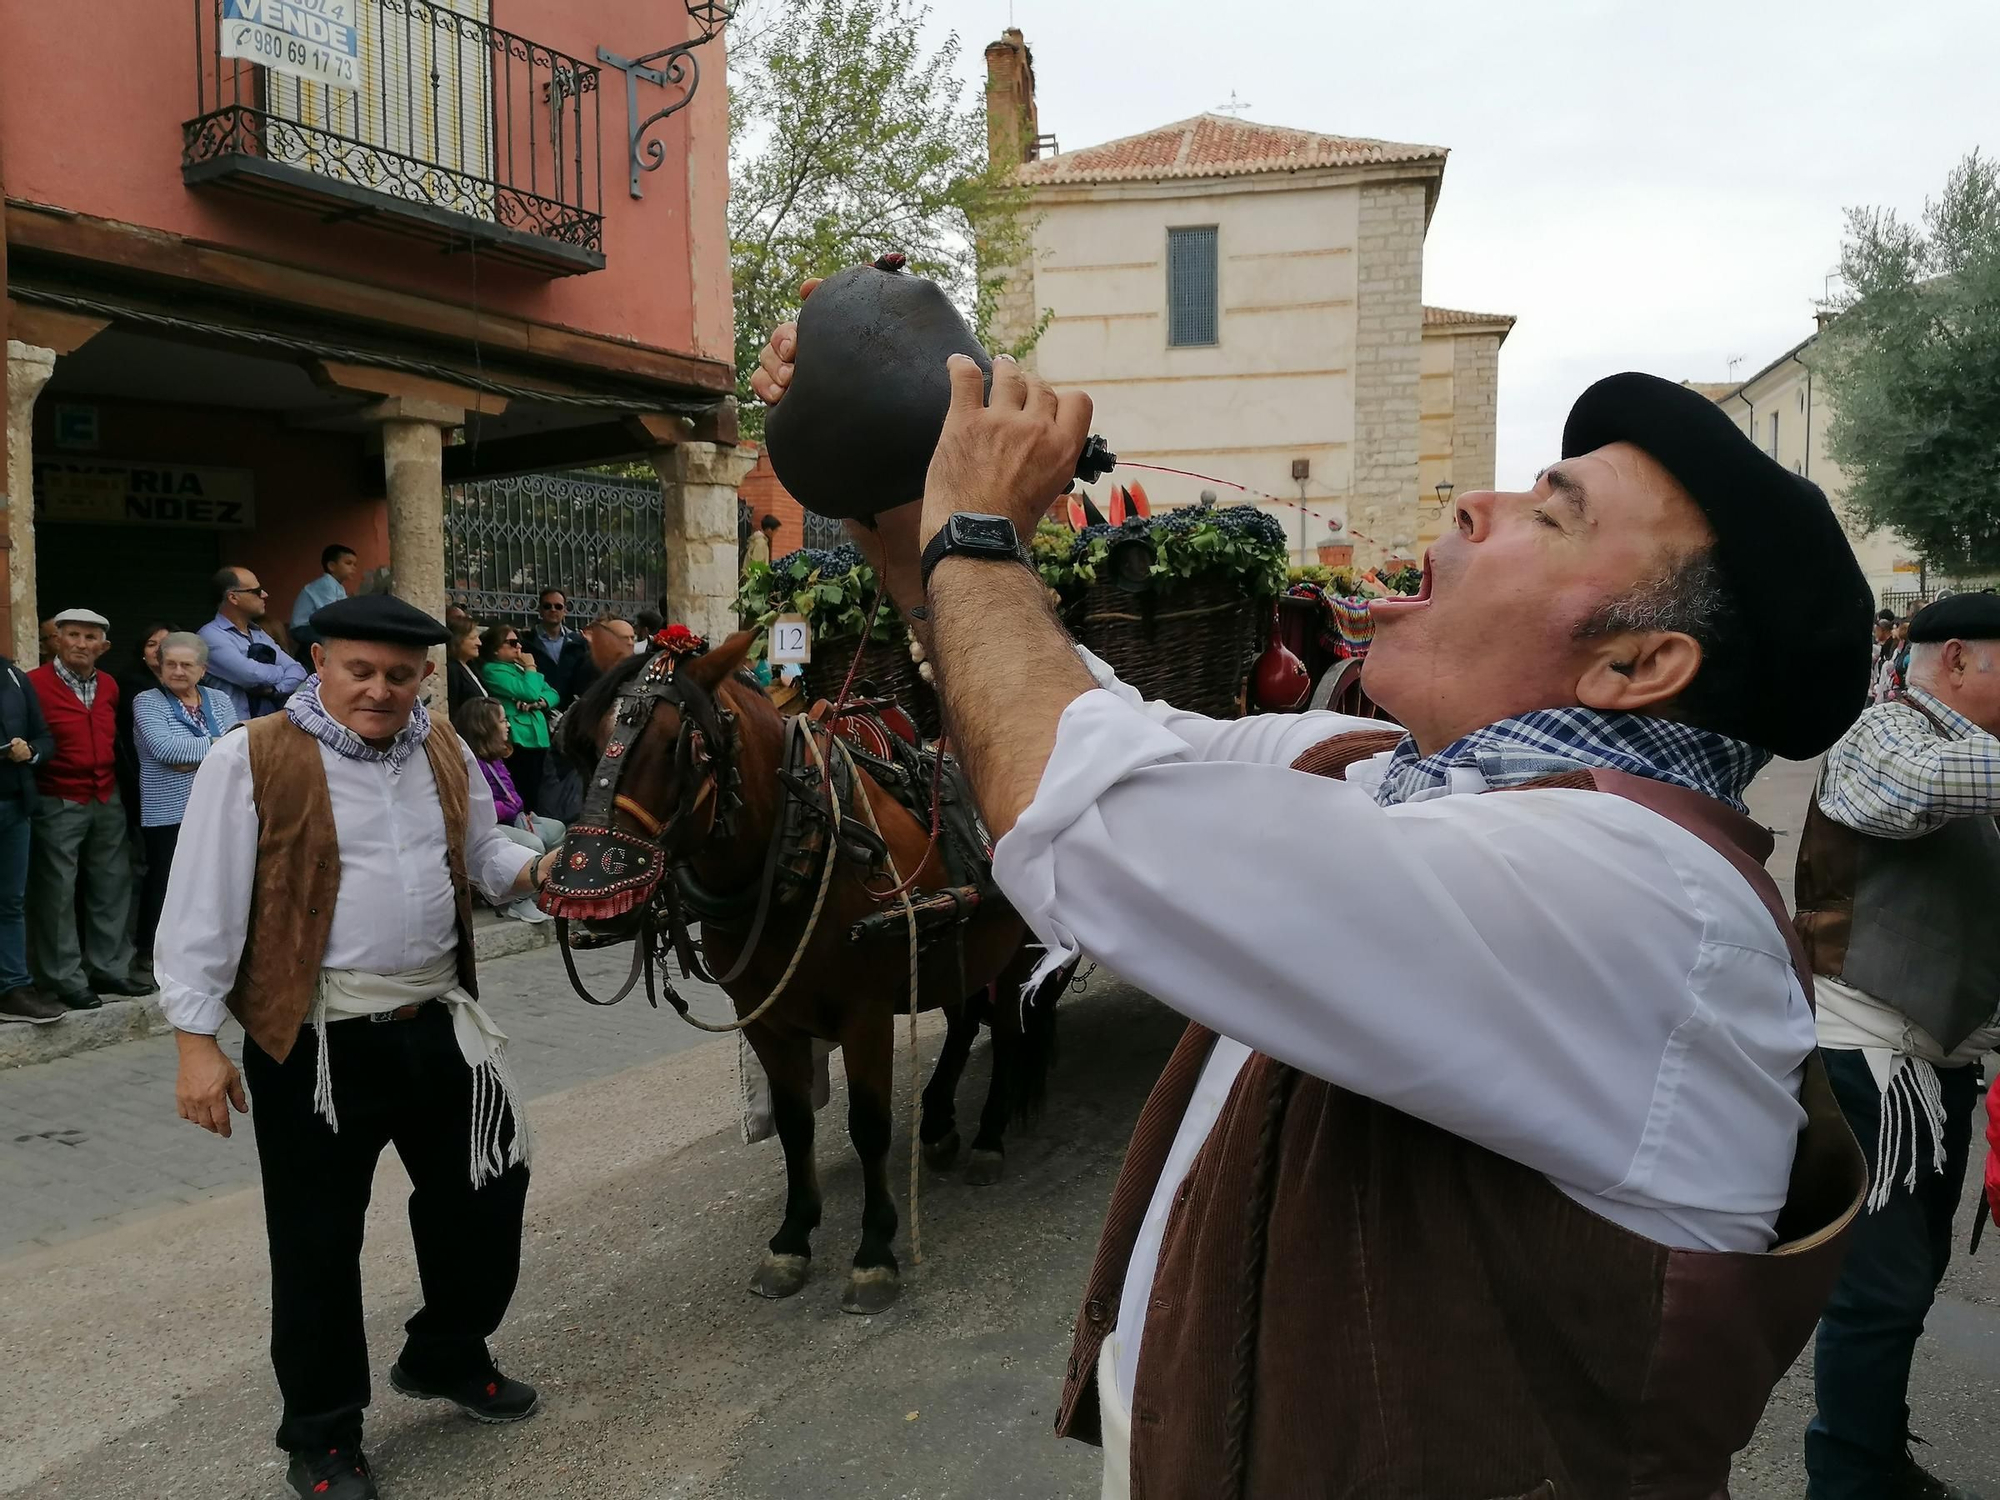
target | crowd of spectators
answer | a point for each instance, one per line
(98, 761)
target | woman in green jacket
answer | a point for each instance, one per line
(509, 674)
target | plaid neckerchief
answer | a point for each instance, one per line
(1551, 741)
(84, 688)
(305, 711)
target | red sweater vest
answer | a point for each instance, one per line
(84, 767)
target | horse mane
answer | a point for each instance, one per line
(576, 735)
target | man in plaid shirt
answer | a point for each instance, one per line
(1898, 877)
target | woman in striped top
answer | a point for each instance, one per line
(172, 727)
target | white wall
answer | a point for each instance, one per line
(1279, 384)
(1803, 412)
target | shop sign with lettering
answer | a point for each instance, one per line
(141, 494)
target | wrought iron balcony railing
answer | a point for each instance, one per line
(414, 111)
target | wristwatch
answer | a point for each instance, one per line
(969, 535)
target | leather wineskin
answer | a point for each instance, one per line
(869, 392)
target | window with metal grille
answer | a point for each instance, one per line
(596, 537)
(1191, 287)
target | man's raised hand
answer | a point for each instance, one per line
(774, 366)
(1009, 454)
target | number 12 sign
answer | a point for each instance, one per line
(791, 641)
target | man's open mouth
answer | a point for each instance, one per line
(1400, 604)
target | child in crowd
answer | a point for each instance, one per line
(482, 724)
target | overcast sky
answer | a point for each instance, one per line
(1646, 185)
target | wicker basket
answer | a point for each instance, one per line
(886, 665)
(1192, 646)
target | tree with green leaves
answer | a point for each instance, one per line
(1912, 364)
(847, 140)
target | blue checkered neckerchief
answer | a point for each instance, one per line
(304, 710)
(1551, 741)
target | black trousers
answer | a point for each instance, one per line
(159, 844)
(400, 1082)
(1895, 1260)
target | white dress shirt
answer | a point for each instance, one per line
(395, 911)
(1563, 977)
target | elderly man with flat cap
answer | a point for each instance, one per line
(1501, 1091)
(321, 894)
(1898, 883)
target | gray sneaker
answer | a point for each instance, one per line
(24, 1003)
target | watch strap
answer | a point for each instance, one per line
(944, 545)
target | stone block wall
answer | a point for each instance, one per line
(1475, 389)
(1389, 318)
(1015, 315)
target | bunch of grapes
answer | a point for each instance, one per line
(828, 562)
(1244, 523)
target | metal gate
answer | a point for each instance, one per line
(823, 533)
(598, 538)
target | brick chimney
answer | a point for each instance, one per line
(1011, 123)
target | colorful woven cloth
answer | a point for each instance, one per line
(1353, 627)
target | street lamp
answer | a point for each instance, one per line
(678, 69)
(1444, 493)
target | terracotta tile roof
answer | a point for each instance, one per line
(1219, 146)
(1453, 317)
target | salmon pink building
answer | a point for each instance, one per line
(387, 273)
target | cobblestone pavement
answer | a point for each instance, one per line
(92, 1140)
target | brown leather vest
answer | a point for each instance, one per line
(298, 875)
(1907, 921)
(1351, 1302)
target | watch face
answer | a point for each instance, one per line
(983, 533)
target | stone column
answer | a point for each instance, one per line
(698, 481)
(29, 367)
(413, 464)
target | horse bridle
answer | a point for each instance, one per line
(604, 864)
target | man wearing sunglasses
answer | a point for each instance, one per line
(243, 660)
(561, 654)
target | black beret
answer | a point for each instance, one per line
(1787, 565)
(377, 617)
(1960, 617)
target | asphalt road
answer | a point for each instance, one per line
(138, 1372)
(136, 1355)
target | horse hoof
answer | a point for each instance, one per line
(984, 1168)
(781, 1275)
(871, 1289)
(942, 1155)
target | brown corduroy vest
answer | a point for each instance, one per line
(298, 875)
(1351, 1302)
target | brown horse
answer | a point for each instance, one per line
(687, 758)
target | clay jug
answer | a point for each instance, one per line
(869, 390)
(1280, 684)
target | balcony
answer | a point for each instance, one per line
(413, 114)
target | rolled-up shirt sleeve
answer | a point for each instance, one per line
(207, 911)
(493, 862)
(1513, 968)
(1892, 776)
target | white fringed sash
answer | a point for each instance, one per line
(348, 994)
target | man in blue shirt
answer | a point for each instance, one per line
(337, 565)
(243, 660)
